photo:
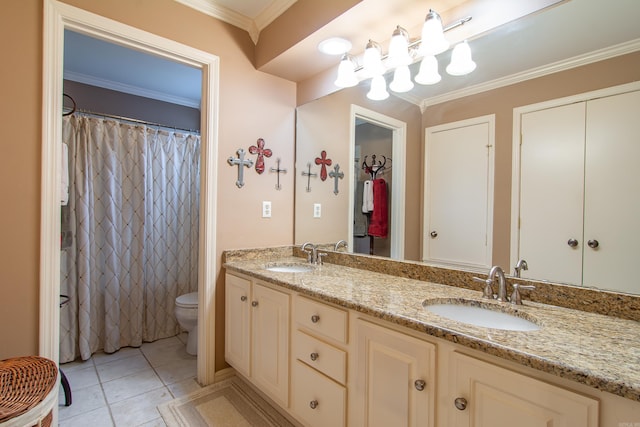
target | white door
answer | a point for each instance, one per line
(551, 193)
(612, 199)
(237, 324)
(270, 342)
(395, 378)
(459, 193)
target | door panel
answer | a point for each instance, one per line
(551, 192)
(612, 199)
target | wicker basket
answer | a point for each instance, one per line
(24, 383)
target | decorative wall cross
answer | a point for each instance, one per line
(308, 174)
(336, 175)
(240, 162)
(261, 152)
(278, 170)
(324, 162)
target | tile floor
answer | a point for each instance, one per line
(124, 388)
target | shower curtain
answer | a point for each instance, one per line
(130, 233)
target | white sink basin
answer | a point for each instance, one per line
(289, 268)
(480, 316)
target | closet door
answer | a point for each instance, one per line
(458, 210)
(551, 193)
(612, 199)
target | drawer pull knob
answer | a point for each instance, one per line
(420, 385)
(254, 303)
(314, 356)
(461, 403)
(243, 298)
(315, 318)
(313, 404)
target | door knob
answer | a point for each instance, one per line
(254, 303)
(315, 318)
(313, 404)
(461, 403)
(434, 234)
(420, 385)
(572, 242)
(314, 356)
(243, 298)
(593, 244)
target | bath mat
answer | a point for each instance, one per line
(227, 403)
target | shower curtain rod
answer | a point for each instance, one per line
(137, 121)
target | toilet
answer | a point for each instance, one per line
(187, 316)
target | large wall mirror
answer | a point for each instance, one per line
(563, 50)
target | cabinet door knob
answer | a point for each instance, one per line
(313, 404)
(254, 303)
(434, 234)
(461, 403)
(314, 356)
(420, 384)
(593, 244)
(572, 242)
(243, 298)
(315, 318)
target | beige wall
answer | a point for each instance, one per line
(252, 105)
(501, 102)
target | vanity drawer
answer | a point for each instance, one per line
(321, 319)
(316, 399)
(324, 357)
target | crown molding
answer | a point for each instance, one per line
(130, 89)
(567, 64)
(252, 26)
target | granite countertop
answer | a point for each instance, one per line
(593, 349)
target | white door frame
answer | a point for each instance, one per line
(58, 17)
(398, 174)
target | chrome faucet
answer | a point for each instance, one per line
(339, 244)
(487, 291)
(312, 254)
(520, 265)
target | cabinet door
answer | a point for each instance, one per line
(390, 368)
(270, 342)
(552, 192)
(458, 210)
(237, 332)
(497, 397)
(612, 199)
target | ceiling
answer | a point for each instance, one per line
(505, 41)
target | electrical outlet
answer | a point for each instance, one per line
(266, 209)
(317, 210)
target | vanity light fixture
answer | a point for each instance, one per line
(402, 53)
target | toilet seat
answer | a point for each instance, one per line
(187, 300)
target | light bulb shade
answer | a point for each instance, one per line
(428, 73)
(346, 73)
(461, 62)
(401, 80)
(399, 48)
(378, 90)
(372, 60)
(433, 41)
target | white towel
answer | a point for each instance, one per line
(64, 176)
(367, 197)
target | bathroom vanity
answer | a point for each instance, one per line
(337, 345)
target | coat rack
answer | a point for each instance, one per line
(376, 167)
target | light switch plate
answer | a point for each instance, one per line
(317, 210)
(266, 209)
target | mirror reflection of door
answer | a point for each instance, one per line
(372, 173)
(458, 206)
